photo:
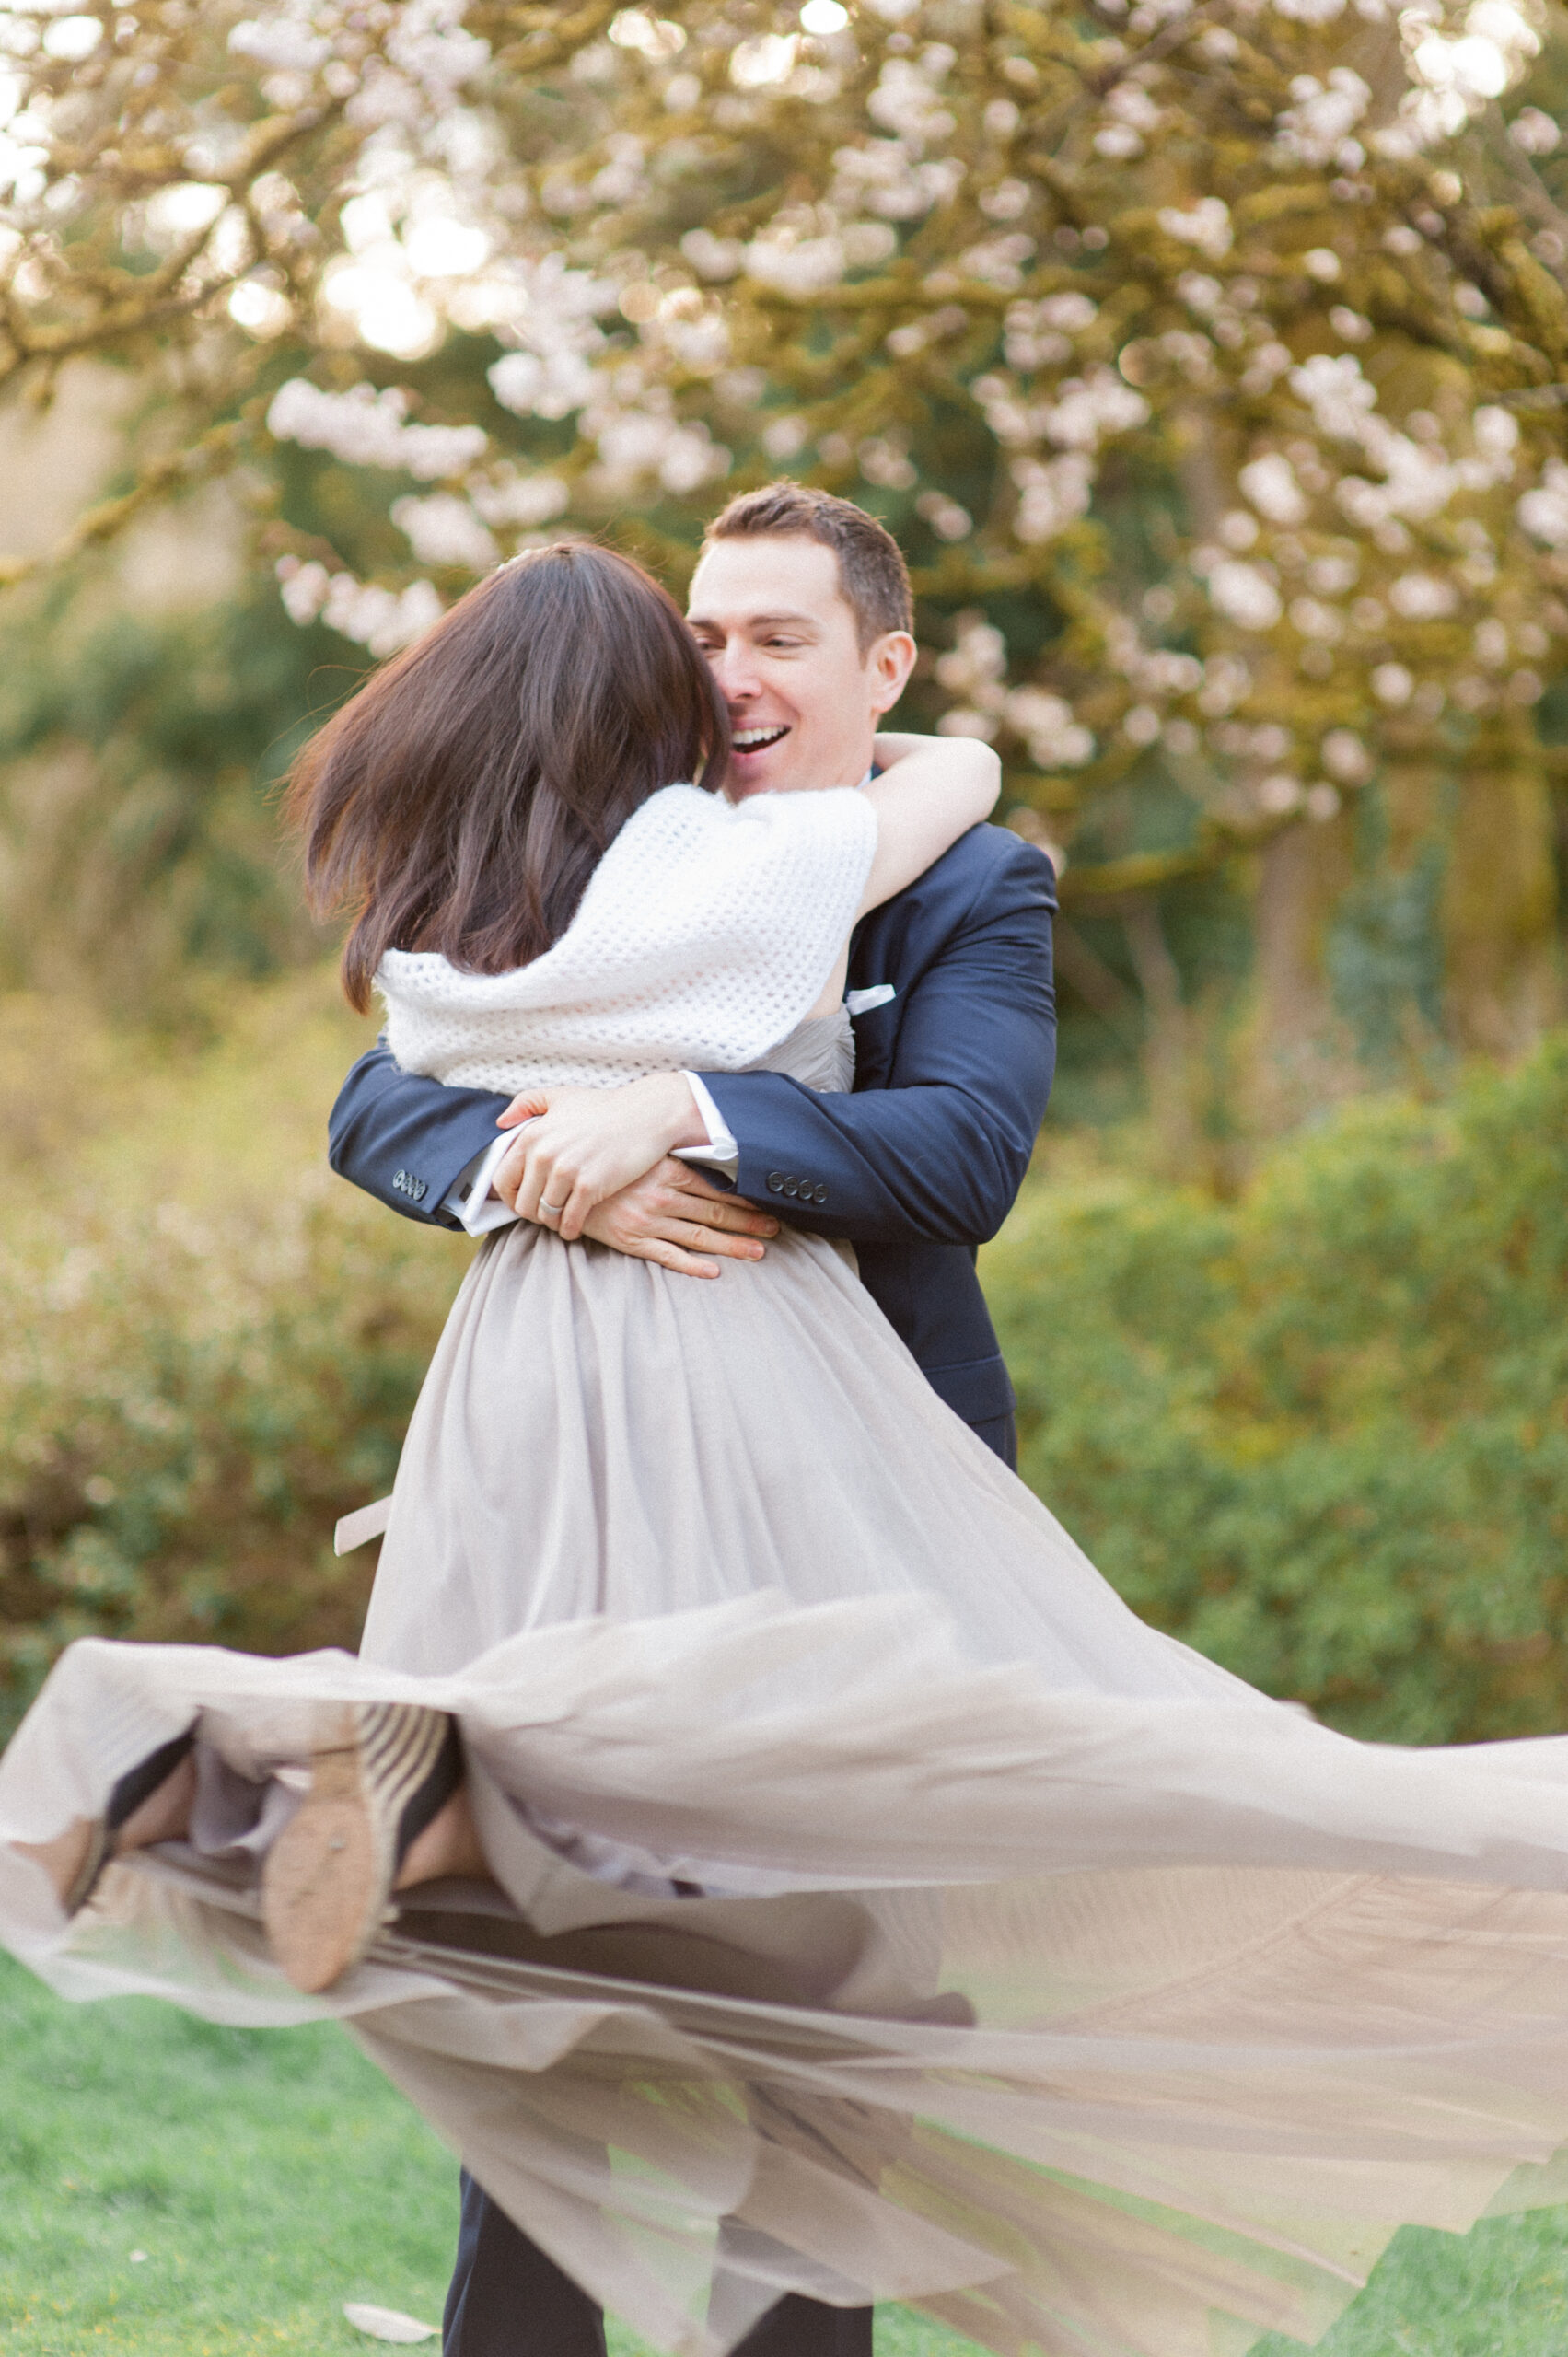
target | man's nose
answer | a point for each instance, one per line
(736, 674)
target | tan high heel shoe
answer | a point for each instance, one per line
(379, 1772)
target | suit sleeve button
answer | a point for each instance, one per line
(791, 1186)
(775, 1182)
(820, 1193)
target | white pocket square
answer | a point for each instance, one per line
(875, 995)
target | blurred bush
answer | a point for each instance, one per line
(140, 747)
(210, 1345)
(1323, 1435)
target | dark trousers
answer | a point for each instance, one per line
(508, 2299)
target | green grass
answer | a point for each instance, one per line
(268, 2177)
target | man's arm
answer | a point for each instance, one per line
(414, 1143)
(408, 1140)
(939, 1156)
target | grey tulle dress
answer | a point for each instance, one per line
(880, 1910)
(598, 1434)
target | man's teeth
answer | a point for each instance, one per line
(745, 740)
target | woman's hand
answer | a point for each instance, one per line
(576, 1146)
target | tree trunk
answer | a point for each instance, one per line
(1167, 1061)
(1500, 980)
(1301, 1057)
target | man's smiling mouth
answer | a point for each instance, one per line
(754, 740)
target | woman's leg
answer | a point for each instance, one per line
(151, 1804)
(448, 1845)
(389, 1782)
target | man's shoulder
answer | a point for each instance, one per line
(991, 883)
(989, 866)
(990, 851)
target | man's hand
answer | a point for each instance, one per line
(674, 1216)
(597, 1162)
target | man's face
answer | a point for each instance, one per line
(803, 701)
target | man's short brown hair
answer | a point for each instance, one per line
(871, 573)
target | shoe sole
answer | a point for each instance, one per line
(327, 1882)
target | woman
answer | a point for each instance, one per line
(767, 1924)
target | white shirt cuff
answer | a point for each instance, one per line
(471, 1201)
(721, 1153)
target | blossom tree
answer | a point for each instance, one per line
(1205, 355)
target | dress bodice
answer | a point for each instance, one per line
(820, 1053)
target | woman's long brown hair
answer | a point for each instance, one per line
(462, 798)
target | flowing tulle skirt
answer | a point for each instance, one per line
(1086, 2021)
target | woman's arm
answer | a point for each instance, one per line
(934, 790)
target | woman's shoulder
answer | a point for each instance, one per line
(687, 827)
(424, 978)
(699, 808)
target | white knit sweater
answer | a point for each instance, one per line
(706, 934)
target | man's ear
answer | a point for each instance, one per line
(890, 662)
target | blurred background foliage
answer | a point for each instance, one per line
(1321, 1433)
(210, 1345)
(1208, 363)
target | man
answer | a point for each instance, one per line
(801, 603)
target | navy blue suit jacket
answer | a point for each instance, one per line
(917, 1167)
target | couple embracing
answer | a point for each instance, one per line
(752, 1832)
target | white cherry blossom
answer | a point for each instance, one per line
(637, 444)
(384, 621)
(1345, 757)
(1205, 225)
(1392, 684)
(1244, 595)
(444, 529)
(1056, 738)
(1535, 132)
(1423, 596)
(796, 263)
(366, 428)
(907, 98)
(522, 501)
(1543, 512)
(977, 661)
(557, 328)
(286, 42)
(1053, 493)
(1271, 484)
(1090, 408)
(1321, 115)
(1336, 392)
